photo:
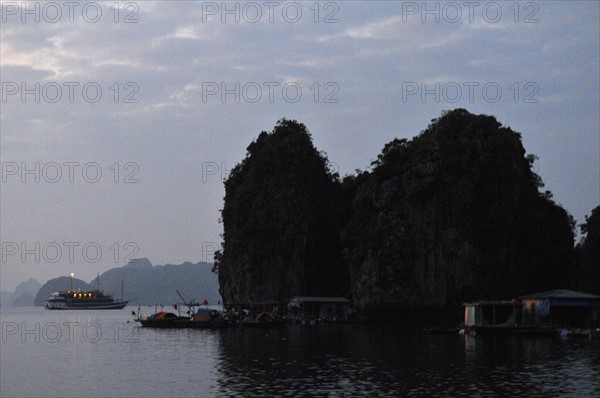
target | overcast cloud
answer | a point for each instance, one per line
(163, 123)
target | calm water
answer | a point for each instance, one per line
(98, 354)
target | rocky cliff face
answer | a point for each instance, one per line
(281, 223)
(588, 278)
(454, 214)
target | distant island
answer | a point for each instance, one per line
(456, 213)
(144, 284)
(148, 284)
(23, 294)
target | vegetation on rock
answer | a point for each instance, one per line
(588, 253)
(282, 221)
(454, 214)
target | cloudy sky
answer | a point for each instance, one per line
(118, 123)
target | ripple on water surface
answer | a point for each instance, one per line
(334, 360)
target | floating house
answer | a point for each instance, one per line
(497, 314)
(563, 309)
(333, 309)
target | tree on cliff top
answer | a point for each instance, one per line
(280, 221)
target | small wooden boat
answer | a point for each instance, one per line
(200, 319)
(164, 319)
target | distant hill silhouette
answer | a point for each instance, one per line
(6, 298)
(139, 263)
(25, 293)
(25, 299)
(147, 284)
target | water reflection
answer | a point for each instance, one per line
(335, 360)
(359, 360)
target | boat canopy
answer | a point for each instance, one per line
(163, 315)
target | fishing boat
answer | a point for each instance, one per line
(164, 319)
(203, 318)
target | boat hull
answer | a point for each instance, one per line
(63, 306)
(182, 323)
(164, 323)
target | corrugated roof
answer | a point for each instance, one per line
(562, 294)
(308, 299)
